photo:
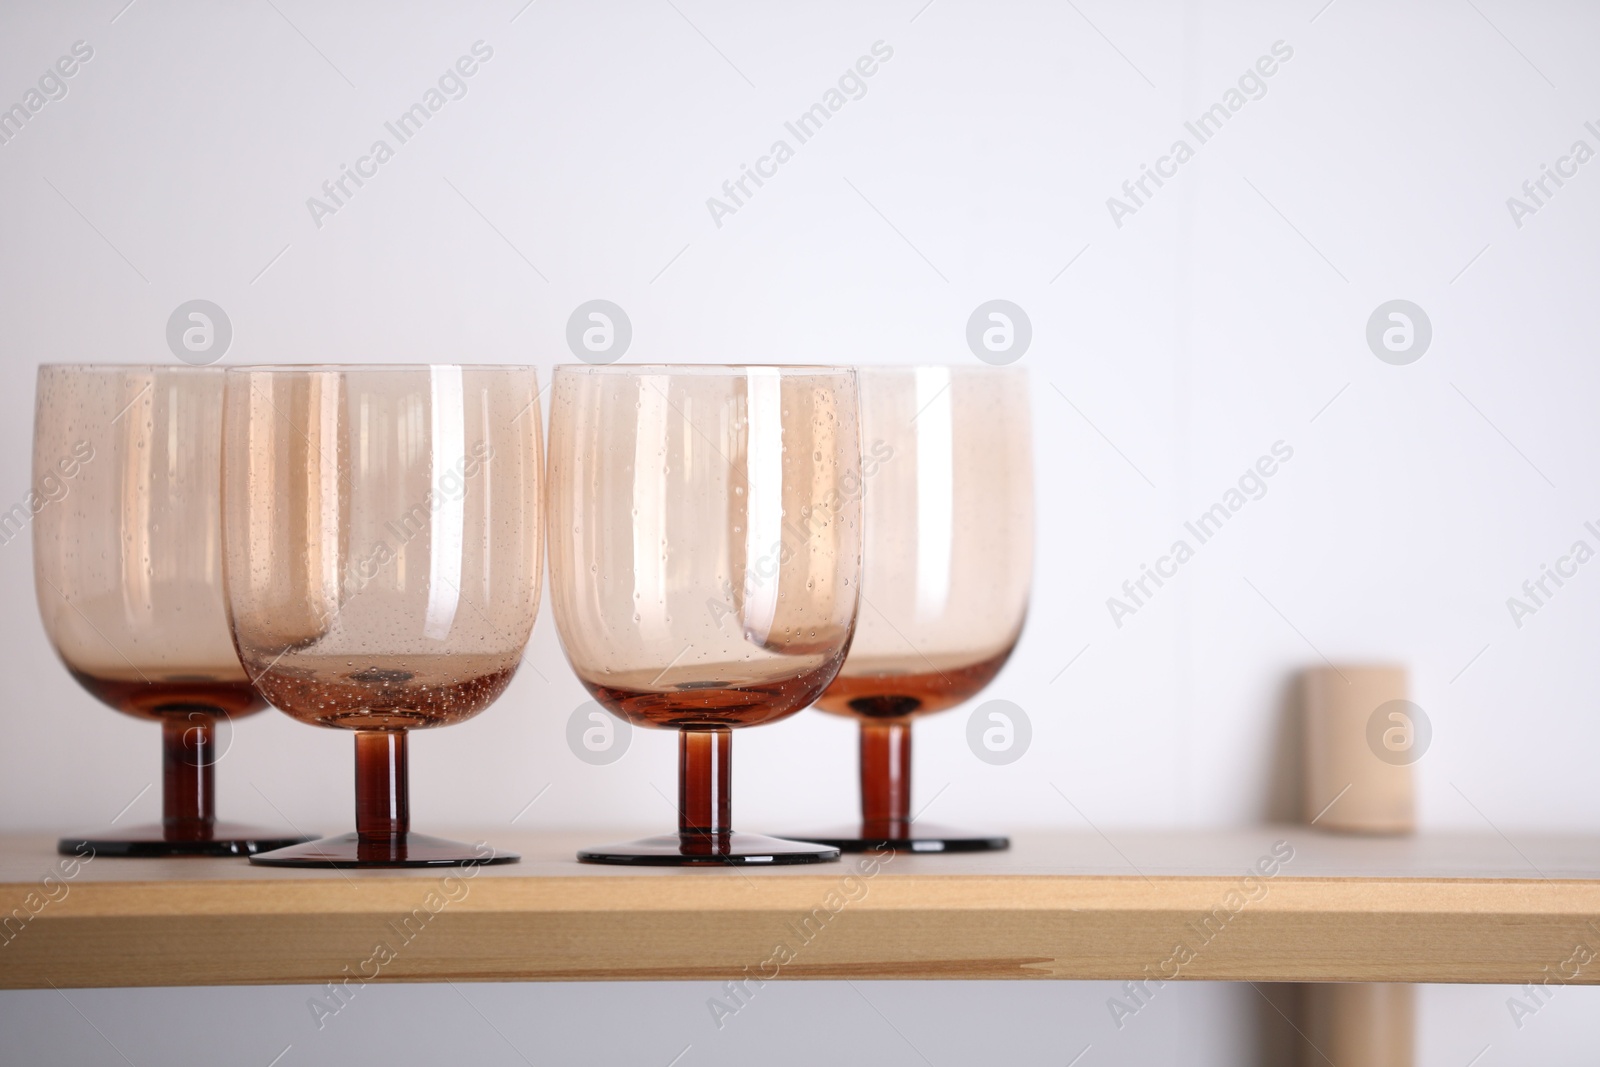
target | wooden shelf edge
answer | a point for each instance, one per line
(1040, 912)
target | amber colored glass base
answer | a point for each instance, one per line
(212, 839)
(705, 836)
(188, 825)
(383, 836)
(398, 850)
(909, 837)
(886, 819)
(693, 850)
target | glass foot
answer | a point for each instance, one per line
(691, 850)
(398, 850)
(206, 839)
(909, 837)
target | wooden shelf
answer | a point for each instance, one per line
(1435, 908)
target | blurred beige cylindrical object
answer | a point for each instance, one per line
(1361, 1024)
(1349, 786)
(1358, 780)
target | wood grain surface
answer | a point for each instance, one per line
(1265, 904)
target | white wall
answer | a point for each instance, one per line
(1220, 318)
(848, 1023)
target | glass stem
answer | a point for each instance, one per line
(189, 758)
(383, 786)
(705, 771)
(886, 778)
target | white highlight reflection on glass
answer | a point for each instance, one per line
(764, 500)
(326, 401)
(935, 490)
(449, 455)
(649, 504)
